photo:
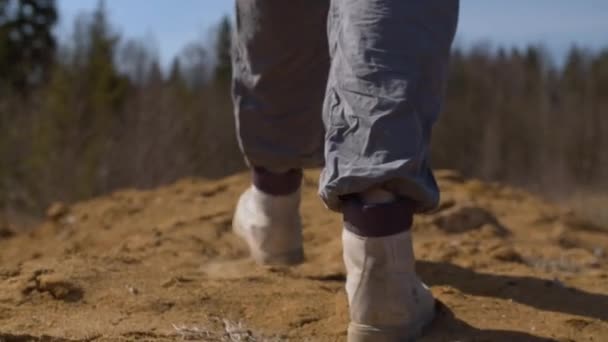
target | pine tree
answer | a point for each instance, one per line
(81, 108)
(27, 44)
(223, 45)
(175, 73)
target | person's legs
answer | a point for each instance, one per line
(280, 65)
(388, 71)
(281, 62)
(386, 85)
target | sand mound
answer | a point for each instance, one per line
(163, 265)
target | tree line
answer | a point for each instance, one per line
(513, 116)
(97, 113)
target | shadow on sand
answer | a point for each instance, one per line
(448, 328)
(535, 292)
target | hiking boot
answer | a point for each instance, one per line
(271, 226)
(388, 302)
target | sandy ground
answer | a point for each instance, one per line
(163, 265)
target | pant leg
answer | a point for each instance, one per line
(280, 63)
(385, 88)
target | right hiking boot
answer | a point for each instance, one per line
(387, 300)
(271, 226)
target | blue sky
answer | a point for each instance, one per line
(557, 24)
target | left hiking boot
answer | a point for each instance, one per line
(271, 226)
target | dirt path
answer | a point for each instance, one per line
(163, 265)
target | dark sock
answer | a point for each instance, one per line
(277, 184)
(377, 220)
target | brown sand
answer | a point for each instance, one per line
(163, 265)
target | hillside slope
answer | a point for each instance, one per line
(163, 265)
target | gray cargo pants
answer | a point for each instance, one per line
(376, 69)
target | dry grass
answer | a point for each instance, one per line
(231, 332)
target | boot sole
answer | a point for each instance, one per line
(406, 333)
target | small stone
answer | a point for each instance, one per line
(507, 254)
(59, 287)
(56, 211)
(132, 290)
